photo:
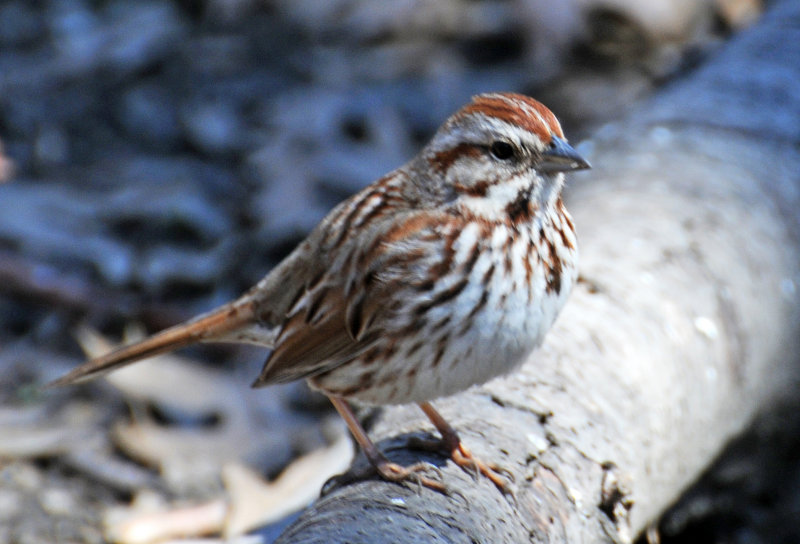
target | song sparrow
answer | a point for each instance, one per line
(443, 274)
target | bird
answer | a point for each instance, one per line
(443, 274)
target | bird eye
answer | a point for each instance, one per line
(502, 150)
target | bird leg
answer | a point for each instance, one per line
(459, 453)
(388, 470)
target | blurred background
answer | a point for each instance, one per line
(158, 157)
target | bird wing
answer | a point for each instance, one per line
(314, 339)
(337, 320)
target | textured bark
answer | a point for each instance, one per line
(684, 328)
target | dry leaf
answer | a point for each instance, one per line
(137, 527)
(255, 502)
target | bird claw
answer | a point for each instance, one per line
(500, 476)
(394, 472)
(464, 458)
(391, 472)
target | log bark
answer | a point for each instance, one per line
(683, 329)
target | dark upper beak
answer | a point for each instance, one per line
(561, 157)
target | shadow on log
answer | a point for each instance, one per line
(684, 328)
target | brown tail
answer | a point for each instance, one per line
(209, 326)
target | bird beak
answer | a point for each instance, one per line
(561, 157)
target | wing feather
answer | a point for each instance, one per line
(337, 320)
(314, 339)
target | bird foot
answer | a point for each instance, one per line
(501, 477)
(389, 471)
(394, 472)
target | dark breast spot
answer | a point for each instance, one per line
(553, 264)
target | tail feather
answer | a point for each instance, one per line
(207, 327)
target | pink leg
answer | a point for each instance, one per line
(387, 469)
(459, 452)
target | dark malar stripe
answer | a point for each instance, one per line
(519, 210)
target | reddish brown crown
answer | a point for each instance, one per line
(516, 109)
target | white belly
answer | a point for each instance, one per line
(475, 336)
